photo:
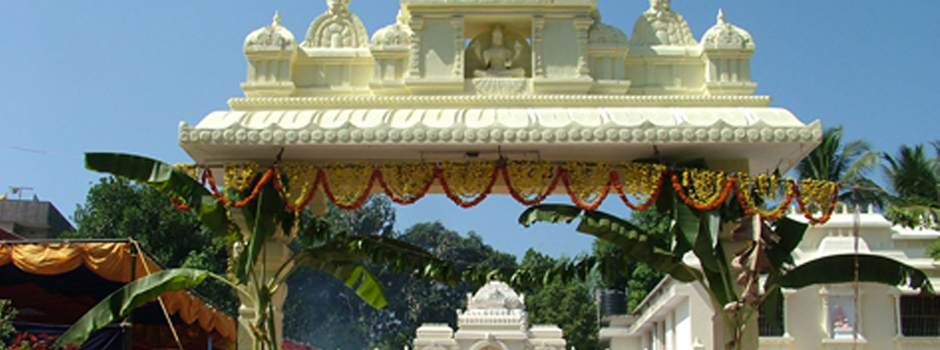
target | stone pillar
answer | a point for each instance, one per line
(582, 24)
(459, 45)
(538, 66)
(275, 253)
(417, 24)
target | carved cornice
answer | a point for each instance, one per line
(255, 103)
(645, 133)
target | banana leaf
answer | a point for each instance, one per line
(634, 242)
(345, 257)
(167, 179)
(132, 295)
(841, 269)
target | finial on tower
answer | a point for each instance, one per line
(277, 18)
(721, 16)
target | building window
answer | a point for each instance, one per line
(920, 316)
(766, 327)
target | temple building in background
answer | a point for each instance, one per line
(495, 319)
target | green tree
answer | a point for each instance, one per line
(914, 195)
(420, 301)
(7, 315)
(120, 208)
(569, 305)
(849, 163)
(320, 310)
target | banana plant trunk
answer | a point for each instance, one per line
(265, 316)
(737, 334)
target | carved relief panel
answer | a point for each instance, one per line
(498, 53)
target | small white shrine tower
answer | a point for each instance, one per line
(495, 319)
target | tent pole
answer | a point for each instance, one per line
(129, 321)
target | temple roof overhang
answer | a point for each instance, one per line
(555, 128)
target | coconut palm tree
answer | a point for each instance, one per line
(914, 195)
(848, 163)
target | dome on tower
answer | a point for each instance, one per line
(601, 33)
(272, 37)
(724, 35)
(496, 295)
(397, 34)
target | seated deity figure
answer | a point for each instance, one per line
(660, 25)
(498, 60)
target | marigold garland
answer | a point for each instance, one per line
(238, 176)
(192, 170)
(297, 173)
(643, 181)
(586, 188)
(706, 189)
(343, 184)
(817, 196)
(179, 206)
(406, 183)
(767, 187)
(466, 180)
(530, 182)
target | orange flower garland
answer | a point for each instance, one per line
(528, 182)
(818, 195)
(463, 180)
(532, 188)
(585, 186)
(642, 181)
(207, 176)
(763, 185)
(705, 187)
(406, 183)
(296, 173)
(341, 181)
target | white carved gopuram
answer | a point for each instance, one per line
(492, 81)
(521, 79)
(495, 319)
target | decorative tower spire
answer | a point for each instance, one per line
(721, 16)
(277, 18)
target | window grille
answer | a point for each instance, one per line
(765, 327)
(920, 316)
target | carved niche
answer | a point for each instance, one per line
(499, 53)
(337, 28)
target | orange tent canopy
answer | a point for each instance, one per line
(116, 261)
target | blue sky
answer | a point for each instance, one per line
(104, 75)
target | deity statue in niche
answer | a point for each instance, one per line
(660, 25)
(840, 320)
(497, 60)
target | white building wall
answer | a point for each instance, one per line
(808, 312)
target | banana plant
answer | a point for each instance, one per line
(343, 255)
(732, 282)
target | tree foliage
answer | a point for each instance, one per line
(120, 208)
(7, 315)
(847, 162)
(567, 304)
(321, 312)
